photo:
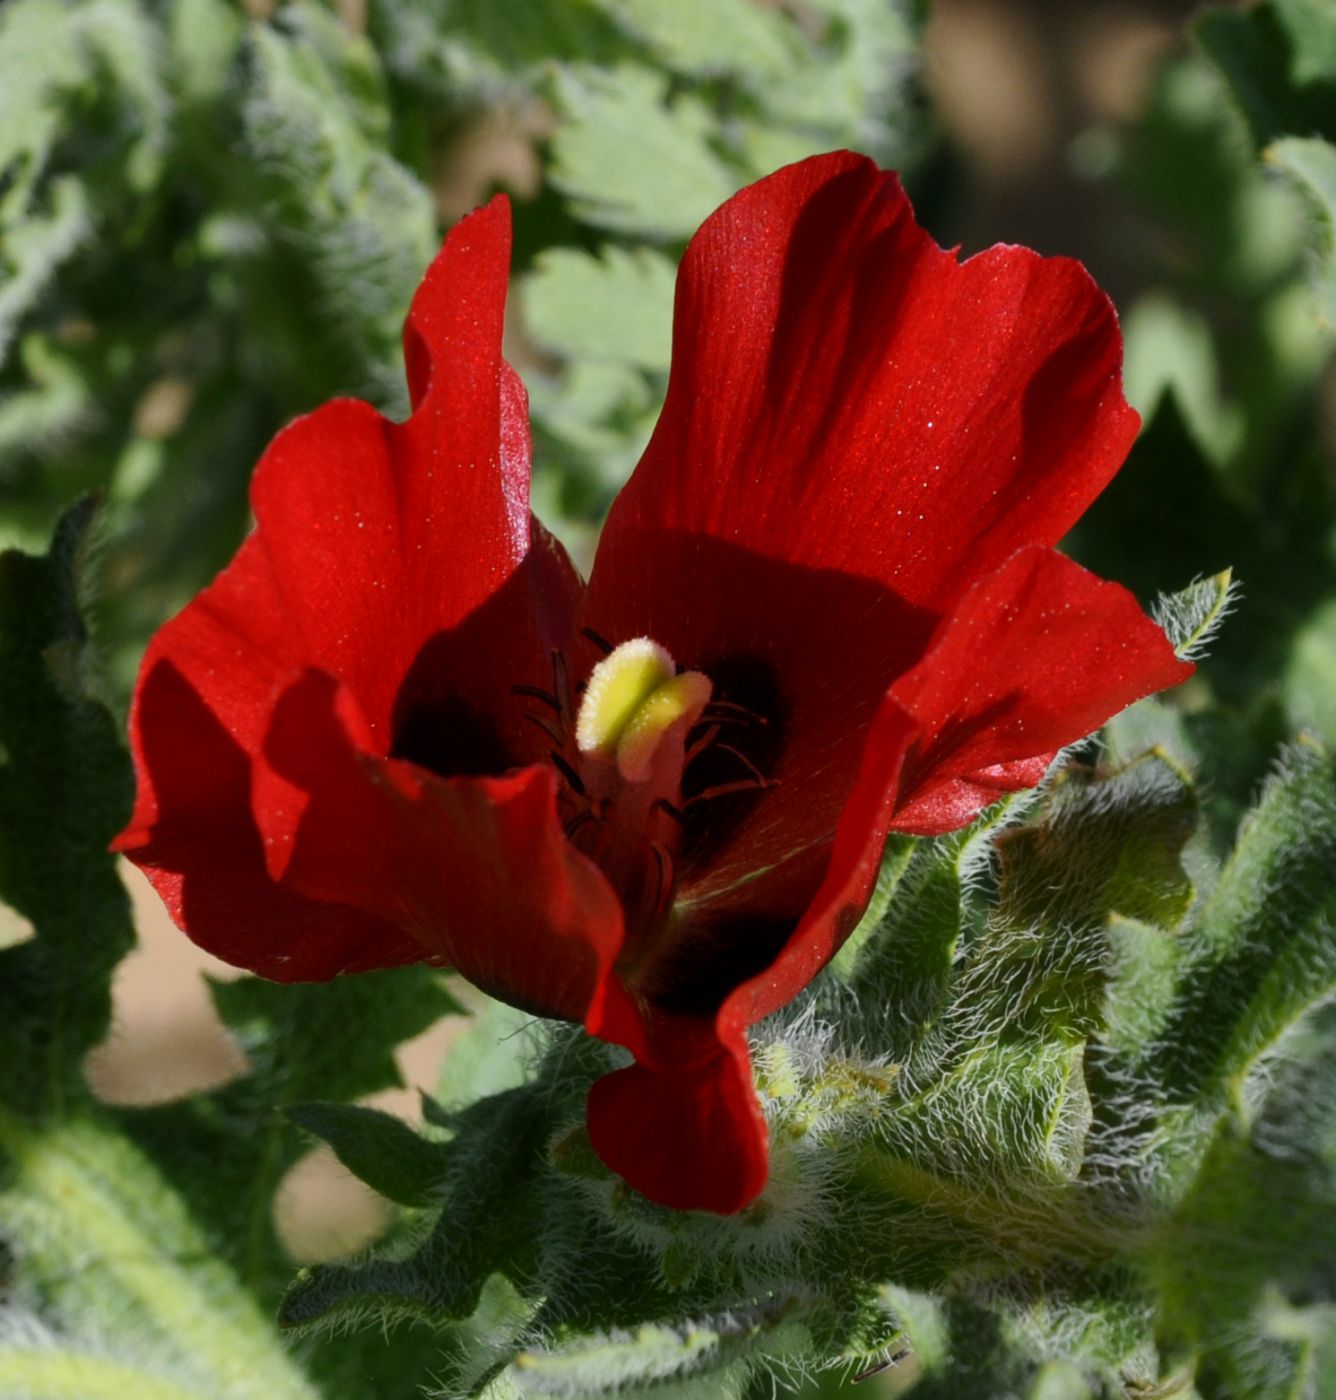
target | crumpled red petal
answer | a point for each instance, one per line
(846, 395)
(693, 1138)
(400, 559)
(1034, 657)
(205, 856)
(476, 869)
(857, 427)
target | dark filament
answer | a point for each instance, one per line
(536, 692)
(664, 864)
(568, 772)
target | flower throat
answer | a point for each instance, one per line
(622, 751)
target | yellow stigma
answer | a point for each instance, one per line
(633, 698)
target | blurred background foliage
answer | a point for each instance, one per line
(212, 218)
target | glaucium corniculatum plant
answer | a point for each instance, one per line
(826, 607)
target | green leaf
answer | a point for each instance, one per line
(463, 52)
(1106, 844)
(1311, 26)
(1262, 952)
(335, 1039)
(1143, 984)
(616, 306)
(486, 1224)
(1252, 1219)
(904, 952)
(377, 1148)
(363, 225)
(64, 793)
(711, 37)
(1170, 349)
(855, 89)
(69, 72)
(228, 1150)
(656, 1356)
(633, 159)
(1311, 163)
(1280, 87)
(126, 1272)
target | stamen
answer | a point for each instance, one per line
(676, 813)
(744, 760)
(561, 682)
(536, 692)
(754, 716)
(550, 730)
(598, 639)
(703, 743)
(567, 772)
(726, 789)
(664, 863)
(578, 822)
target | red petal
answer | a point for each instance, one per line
(812, 651)
(1036, 656)
(1033, 658)
(194, 838)
(692, 1140)
(476, 870)
(846, 395)
(400, 559)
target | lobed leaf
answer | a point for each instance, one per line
(710, 37)
(1262, 953)
(632, 159)
(1311, 163)
(377, 1148)
(64, 793)
(617, 306)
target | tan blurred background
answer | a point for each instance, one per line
(1024, 90)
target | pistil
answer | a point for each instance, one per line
(631, 732)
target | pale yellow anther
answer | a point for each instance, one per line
(683, 697)
(632, 700)
(617, 688)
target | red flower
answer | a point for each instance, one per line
(370, 741)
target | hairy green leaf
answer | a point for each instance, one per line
(707, 37)
(1311, 163)
(376, 1147)
(617, 306)
(107, 1243)
(1262, 952)
(64, 793)
(633, 159)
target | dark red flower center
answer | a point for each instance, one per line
(644, 748)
